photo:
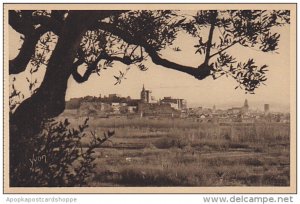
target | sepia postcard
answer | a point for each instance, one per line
(149, 98)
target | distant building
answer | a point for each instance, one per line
(196, 111)
(235, 110)
(246, 106)
(266, 108)
(114, 104)
(73, 103)
(131, 109)
(146, 95)
(116, 107)
(111, 96)
(156, 109)
(178, 104)
(94, 108)
(202, 116)
(240, 110)
(214, 109)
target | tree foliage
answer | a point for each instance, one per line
(131, 37)
(128, 36)
(64, 41)
(59, 157)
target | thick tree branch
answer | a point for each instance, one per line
(210, 37)
(200, 72)
(92, 67)
(19, 24)
(76, 76)
(19, 63)
(209, 43)
(125, 60)
(59, 15)
(24, 25)
(48, 22)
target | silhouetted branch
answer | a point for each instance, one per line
(24, 25)
(92, 67)
(133, 51)
(19, 24)
(48, 22)
(77, 77)
(59, 15)
(196, 72)
(210, 37)
(229, 46)
(97, 141)
(19, 63)
(222, 50)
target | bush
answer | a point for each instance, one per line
(58, 158)
(156, 177)
(274, 178)
(171, 141)
(253, 162)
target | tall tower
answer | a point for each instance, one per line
(214, 109)
(143, 88)
(145, 95)
(246, 106)
(266, 108)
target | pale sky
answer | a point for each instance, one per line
(167, 82)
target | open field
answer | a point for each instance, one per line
(182, 152)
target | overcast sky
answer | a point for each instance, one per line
(167, 82)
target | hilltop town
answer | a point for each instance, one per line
(115, 105)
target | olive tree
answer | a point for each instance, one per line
(64, 40)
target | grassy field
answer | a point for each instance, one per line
(181, 152)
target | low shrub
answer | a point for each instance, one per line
(169, 142)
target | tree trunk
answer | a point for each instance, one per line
(49, 100)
